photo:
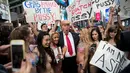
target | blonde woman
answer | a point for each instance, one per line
(83, 50)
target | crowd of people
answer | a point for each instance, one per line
(67, 51)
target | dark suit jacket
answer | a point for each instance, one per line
(74, 35)
(126, 70)
(124, 41)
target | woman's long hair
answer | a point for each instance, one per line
(20, 33)
(112, 29)
(85, 39)
(52, 40)
(99, 34)
(85, 36)
(43, 51)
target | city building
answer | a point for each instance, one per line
(4, 11)
(16, 10)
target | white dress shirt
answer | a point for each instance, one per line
(72, 44)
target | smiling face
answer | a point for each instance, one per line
(46, 41)
(55, 38)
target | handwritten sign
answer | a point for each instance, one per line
(80, 10)
(125, 9)
(109, 58)
(103, 4)
(47, 11)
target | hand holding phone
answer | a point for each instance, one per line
(17, 54)
(26, 66)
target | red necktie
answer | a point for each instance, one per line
(69, 45)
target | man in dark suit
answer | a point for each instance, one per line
(124, 46)
(69, 40)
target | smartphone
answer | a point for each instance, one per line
(17, 54)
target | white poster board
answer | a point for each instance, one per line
(109, 59)
(80, 10)
(47, 11)
(125, 9)
(103, 4)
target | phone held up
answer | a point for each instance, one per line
(17, 54)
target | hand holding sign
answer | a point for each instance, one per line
(111, 9)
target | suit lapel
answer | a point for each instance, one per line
(61, 39)
(73, 38)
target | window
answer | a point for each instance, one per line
(15, 10)
(21, 9)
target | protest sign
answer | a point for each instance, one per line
(80, 10)
(47, 11)
(125, 9)
(103, 4)
(109, 58)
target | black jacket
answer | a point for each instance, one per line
(74, 35)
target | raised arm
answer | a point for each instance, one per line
(54, 27)
(120, 23)
(110, 21)
(34, 28)
(119, 20)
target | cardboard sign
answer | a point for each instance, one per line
(103, 4)
(47, 11)
(80, 10)
(125, 9)
(109, 59)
